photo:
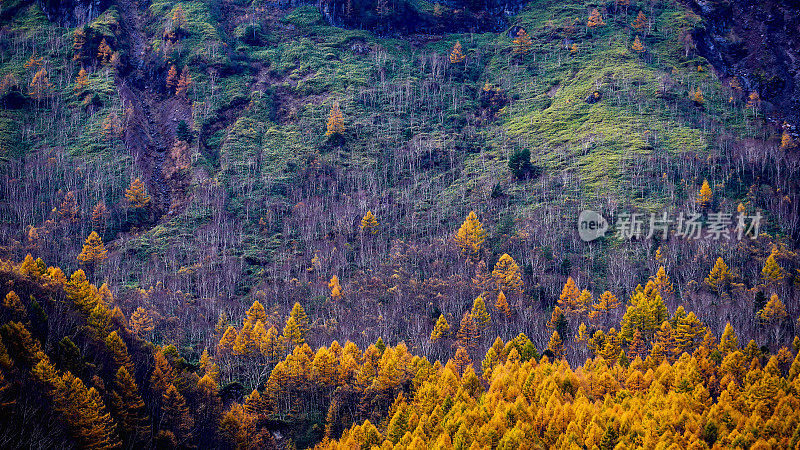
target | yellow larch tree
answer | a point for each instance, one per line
(479, 314)
(640, 22)
(501, 305)
(104, 52)
(507, 275)
(82, 81)
(441, 330)
(772, 273)
(183, 84)
(140, 323)
(637, 45)
(569, 298)
(40, 86)
(471, 235)
(556, 345)
(719, 277)
(369, 224)
(172, 77)
(136, 194)
(335, 125)
(457, 55)
(605, 305)
(705, 196)
(522, 43)
(595, 19)
(774, 310)
(335, 288)
(94, 252)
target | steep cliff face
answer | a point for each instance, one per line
(759, 42)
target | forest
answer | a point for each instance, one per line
(399, 224)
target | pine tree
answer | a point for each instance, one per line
(441, 330)
(82, 293)
(336, 288)
(595, 19)
(522, 43)
(569, 298)
(141, 324)
(774, 310)
(68, 210)
(479, 314)
(40, 86)
(556, 345)
(456, 55)
(175, 415)
(137, 194)
(172, 78)
(470, 236)
(82, 81)
(720, 276)
(501, 305)
(637, 45)
(225, 345)
(507, 275)
(13, 304)
(704, 199)
(468, 332)
(772, 273)
(462, 359)
(292, 333)
(128, 407)
(99, 216)
(369, 224)
(104, 52)
(335, 124)
(94, 252)
(301, 318)
(640, 22)
(183, 84)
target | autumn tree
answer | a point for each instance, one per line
(637, 45)
(94, 252)
(640, 22)
(128, 407)
(99, 216)
(82, 81)
(183, 83)
(175, 417)
(104, 52)
(335, 126)
(471, 235)
(456, 55)
(569, 299)
(140, 323)
(772, 273)
(507, 275)
(137, 194)
(604, 307)
(556, 345)
(172, 78)
(369, 224)
(595, 19)
(501, 305)
(335, 288)
(40, 86)
(522, 43)
(479, 314)
(720, 276)
(468, 332)
(300, 317)
(441, 330)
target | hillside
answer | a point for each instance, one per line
(413, 173)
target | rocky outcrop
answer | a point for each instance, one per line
(757, 41)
